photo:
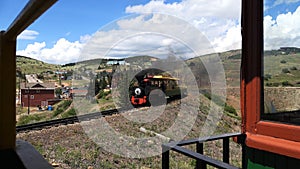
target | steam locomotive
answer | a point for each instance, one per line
(154, 90)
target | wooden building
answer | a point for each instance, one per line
(37, 94)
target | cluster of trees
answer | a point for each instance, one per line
(98, 83)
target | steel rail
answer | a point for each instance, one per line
(73, 119)
(65, 121)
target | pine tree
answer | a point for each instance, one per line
(97, 86)
(103, 83)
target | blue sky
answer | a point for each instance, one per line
(281, 24)
(68, 18)
(274, 8)
(60, 35)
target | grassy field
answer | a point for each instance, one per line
(282, 70)
(273, 64)
(61, 110)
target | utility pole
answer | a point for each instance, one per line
(28, 100)
(28, 94)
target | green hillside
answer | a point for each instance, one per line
(231, 61)
(282, 69)
(28, 65)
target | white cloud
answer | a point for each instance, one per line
(231, 40)
(282, 30)
(150, 34)
(85, 38)
(213, 18)
(191, 9)
(28, 35)
(205, 26)
(218, 21)
(32, 49)
(63, 51)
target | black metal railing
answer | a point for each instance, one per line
(201, 160)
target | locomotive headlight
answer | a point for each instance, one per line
(137, 91)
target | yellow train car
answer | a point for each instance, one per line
(155, 89)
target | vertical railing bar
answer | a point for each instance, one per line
(242, 139)
(226, 150)
(243, 156)
(165, 157)
(199, 163)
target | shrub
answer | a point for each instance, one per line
(192, 64)
(294, 68)
(285, 70)
(268, 84)
(283, 61)
(286, 83)
(267, 77)
(207, 95)
(238, 56)
(275, 84)
(230, 109)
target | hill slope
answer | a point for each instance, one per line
(28, 65)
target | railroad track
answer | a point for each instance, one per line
(65, 121)
(72, 120)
